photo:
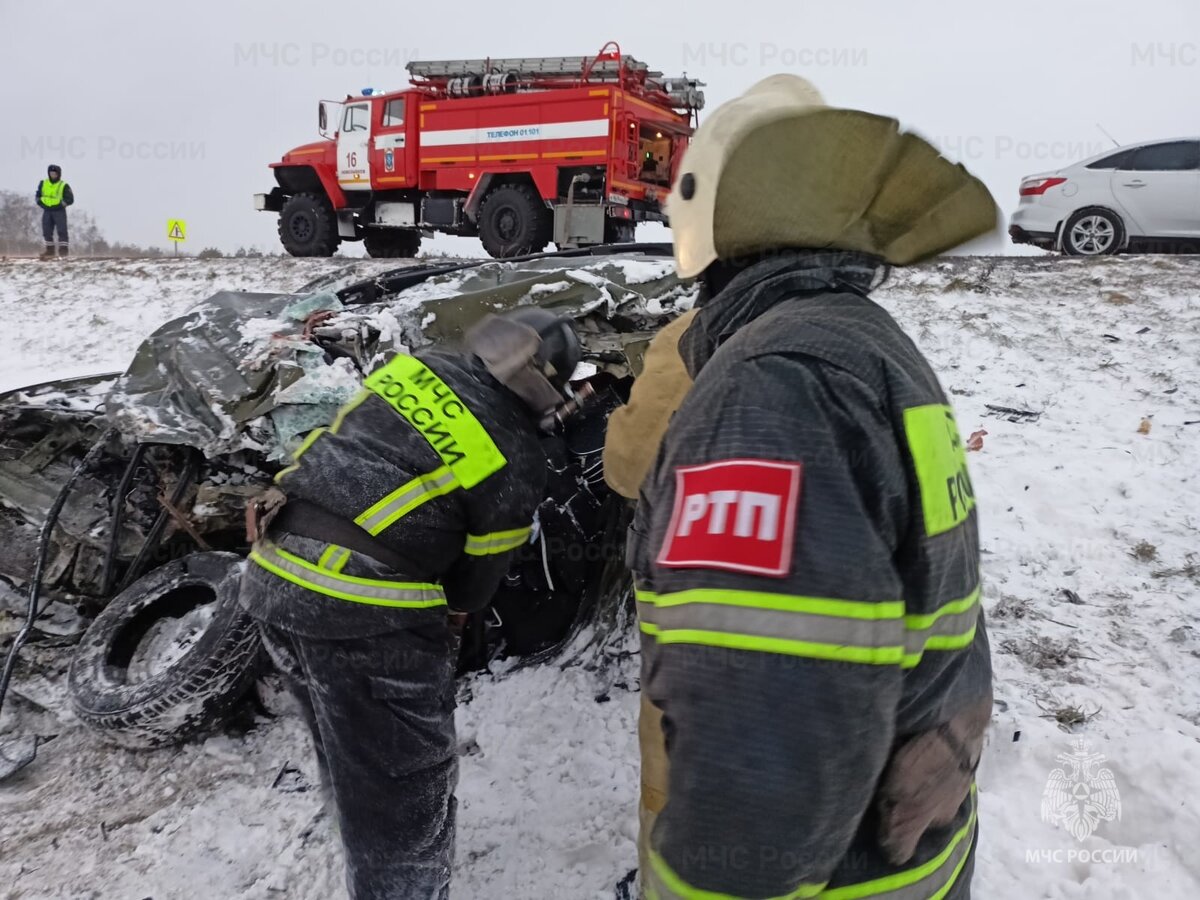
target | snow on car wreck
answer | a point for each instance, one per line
(148, 541)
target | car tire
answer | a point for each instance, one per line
(307, 226)
(513, 221)
(169, 656)
(1093, 231)
(391, 243)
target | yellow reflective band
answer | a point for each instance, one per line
(406, 498)
(815, 627)
(824, 606)
(951, 627)
(430, 406)
(312, 436)
(664, 883)
(792, 625)
(877, 656)
(925, 622)
(334, 558)
(940, 460)
(372, 591)
(949, 642)
(931, 880)
(497, 541)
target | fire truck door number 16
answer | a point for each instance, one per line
(354, 169)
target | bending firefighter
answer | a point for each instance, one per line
(53, 196)
(805, 548)
(406, 509)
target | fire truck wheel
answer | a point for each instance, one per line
(307, 226)
(514, 221)
(390, 243)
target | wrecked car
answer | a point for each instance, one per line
(142, 555)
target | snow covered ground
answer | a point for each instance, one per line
(93, 317)
(1089, 502)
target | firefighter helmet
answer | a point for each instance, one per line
(777, 167)
(529, 350)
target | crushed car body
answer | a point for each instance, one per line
(213, 405)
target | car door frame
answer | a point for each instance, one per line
(1161, 202)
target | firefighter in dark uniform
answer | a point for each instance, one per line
(805, 549)
(407, 508)
(53, 196)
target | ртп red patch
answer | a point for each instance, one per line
(737, 514)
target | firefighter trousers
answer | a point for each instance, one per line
(381, 712)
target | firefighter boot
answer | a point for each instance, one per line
(48, 252)
(62, 250)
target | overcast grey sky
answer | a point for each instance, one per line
(161, 109)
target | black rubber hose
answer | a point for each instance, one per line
(35, 586)
(118, 516)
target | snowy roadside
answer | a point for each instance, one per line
(1092, 576)
(83, 317)
(1091, 554)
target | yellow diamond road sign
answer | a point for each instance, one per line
(176, 230)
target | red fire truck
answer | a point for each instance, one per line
(520, 152)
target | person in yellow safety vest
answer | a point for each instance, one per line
(805, 547)
(410, 506)
(53, 196)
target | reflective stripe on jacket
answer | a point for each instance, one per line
(931, 880)
(327, 579)
(438, 464)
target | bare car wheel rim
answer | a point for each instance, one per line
(1092, 235)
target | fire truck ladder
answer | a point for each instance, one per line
(529, 67)
(475, 77)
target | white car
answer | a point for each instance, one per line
(1144, 196)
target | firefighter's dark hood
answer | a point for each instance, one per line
(742, 295)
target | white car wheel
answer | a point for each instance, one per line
(1093, 232)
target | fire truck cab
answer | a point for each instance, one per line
(521, 152)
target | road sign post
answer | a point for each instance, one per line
(176, 232)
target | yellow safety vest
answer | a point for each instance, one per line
(52, 192)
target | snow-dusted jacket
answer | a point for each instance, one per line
(807, 569)
(434, 469)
